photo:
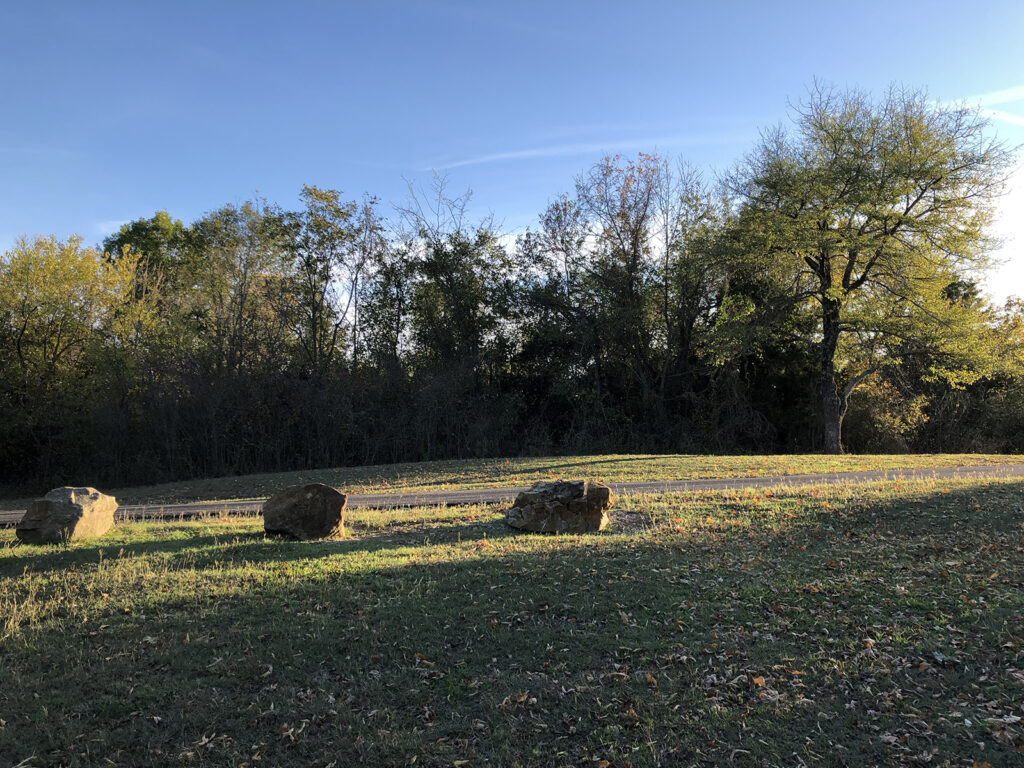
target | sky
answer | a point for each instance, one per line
(111, 111)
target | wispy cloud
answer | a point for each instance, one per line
(1006, 117)
(584, 148)
(562, 150)
(1005, 96)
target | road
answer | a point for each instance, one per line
(506, 495)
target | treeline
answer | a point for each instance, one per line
(822, 294)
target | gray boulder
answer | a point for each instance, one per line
(314, 511)
(67, 514)
(561, 506)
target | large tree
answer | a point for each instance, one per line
(874, 208)
(58, 300)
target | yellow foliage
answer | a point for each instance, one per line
(54, 297)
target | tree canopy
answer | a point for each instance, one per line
(825, 291)
(878, 211)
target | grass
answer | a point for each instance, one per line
(483, 473)
(850, 625)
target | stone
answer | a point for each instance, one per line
(561, 506)
(67, 514)
(313, 511)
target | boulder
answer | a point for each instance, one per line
(561, 506)
(67, 514)
(314, 511)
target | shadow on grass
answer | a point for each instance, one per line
(928, 514)
(639, 651)
(196, 547)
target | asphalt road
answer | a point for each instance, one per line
(506, 495)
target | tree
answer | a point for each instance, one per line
(461, 295)
(53, 296)
(160, 246)
(873, 209)
(384, 304)
(238, 294)
(57, 299)
(323, 248)
(370, 250)
(627, 290)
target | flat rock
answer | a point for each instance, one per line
(561, 506)
(67, 514)
(313, 511)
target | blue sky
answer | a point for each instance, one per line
(113, 110)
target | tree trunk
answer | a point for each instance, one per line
(831, 404)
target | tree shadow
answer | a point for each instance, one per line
(196, 547)
(605, 633)
(186, 541)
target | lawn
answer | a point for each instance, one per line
(861, 625)
(497, 473)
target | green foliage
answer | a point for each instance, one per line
(160, 242)
(58, 306)
(461, 296)
(649, 310)
(385, 305)
(873, 209)
(323, 235)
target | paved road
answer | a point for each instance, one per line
(506, 495)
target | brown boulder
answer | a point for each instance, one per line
(314, 511)
(561, 506)
(67, 514)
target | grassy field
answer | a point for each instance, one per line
(482, 473)
(856, 625)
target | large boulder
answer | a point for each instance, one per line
(314, 511)
(67, 514)
(561, 506)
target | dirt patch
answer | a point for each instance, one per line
(633, 521)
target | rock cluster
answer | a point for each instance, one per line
(314, 511)
(67, 514)
(561, 506)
